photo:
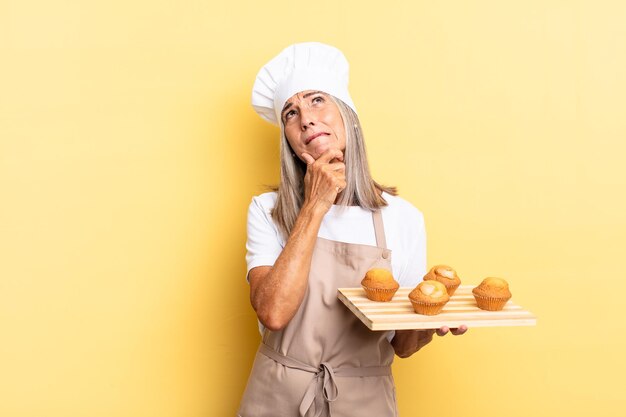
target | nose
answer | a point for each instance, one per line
(307, 118)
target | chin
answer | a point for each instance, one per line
(321, 148)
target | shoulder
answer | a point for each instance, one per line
(398, 206)
(260, 220)
(264, 202)
(260, 209)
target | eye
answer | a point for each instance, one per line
(290, 114)
(318, 99)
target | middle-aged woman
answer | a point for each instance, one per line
(324, 227)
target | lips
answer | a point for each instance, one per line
(310, 138)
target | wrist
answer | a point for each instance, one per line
(315, 209)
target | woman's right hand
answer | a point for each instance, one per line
(325, 178)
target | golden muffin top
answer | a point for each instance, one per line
(430, 291)
(379, 278)
(493, 287)
(442, 273)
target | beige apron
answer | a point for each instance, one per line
(325, 362)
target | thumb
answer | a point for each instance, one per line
(307, 158)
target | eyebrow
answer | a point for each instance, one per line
(304, 96)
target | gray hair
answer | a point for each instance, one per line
(361, 190)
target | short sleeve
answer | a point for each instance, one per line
(415, 266)
(264, 244)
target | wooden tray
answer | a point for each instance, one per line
(398, 314)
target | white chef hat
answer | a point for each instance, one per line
(300, 67)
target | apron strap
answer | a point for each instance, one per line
(322, 387)
(379, 229)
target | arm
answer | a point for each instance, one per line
(407, 342)
(277, 291)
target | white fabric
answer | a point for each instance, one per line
(404, 231)
(300, 67)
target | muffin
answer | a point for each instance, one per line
(379, 285)
(429, 297)
(492, 294)
(446, 275)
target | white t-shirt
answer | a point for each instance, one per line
(404, 232)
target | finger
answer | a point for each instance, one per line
(337, 158)
(337, 166)
(442, 331)
(307, 158)
(459, 331)
(330, 154)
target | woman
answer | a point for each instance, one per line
(325, 226)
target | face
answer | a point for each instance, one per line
(313, 124)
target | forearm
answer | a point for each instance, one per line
(407, 342)
(280, 293)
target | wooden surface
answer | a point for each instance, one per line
(398, 314)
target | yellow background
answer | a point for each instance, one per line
(129, 153)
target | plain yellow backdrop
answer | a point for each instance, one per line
(129, 153)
